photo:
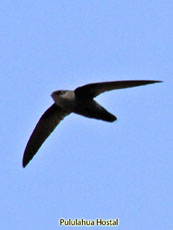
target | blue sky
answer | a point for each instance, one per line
(87, 168)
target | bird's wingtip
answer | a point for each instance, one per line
(158, 81)
(25, 162)
(153, 81)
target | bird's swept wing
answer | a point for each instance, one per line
(94, 89)
(47, 123)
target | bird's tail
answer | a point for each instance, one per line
(94, 110)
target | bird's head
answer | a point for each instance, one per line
(58, 93)
(63, 95)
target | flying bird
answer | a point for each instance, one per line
(79, 101)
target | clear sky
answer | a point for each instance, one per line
(87, 168)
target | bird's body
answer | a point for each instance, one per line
(71, 103)
(79, 101)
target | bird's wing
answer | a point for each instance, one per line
(94, 89)
(47, 123)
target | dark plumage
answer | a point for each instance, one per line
(79, 101)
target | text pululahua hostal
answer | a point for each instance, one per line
(83, 222)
